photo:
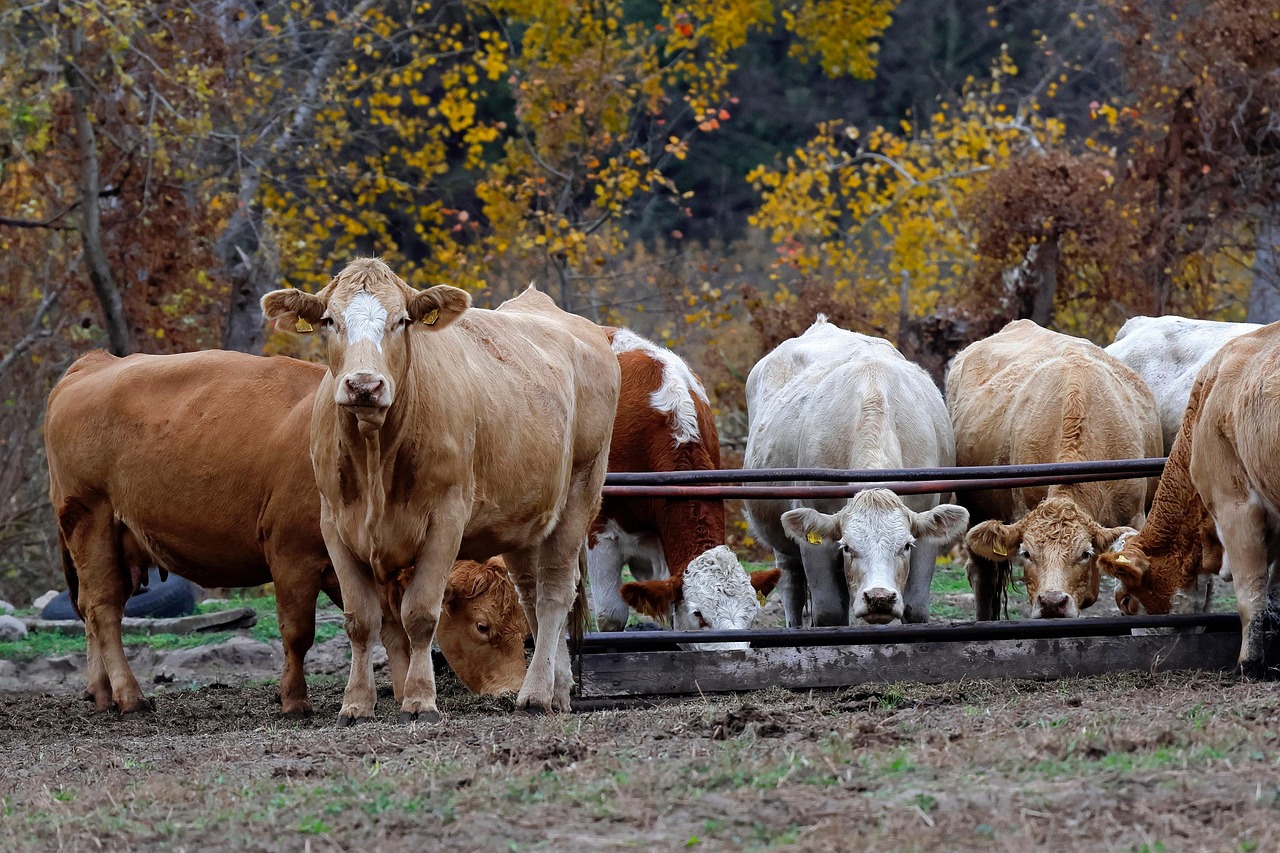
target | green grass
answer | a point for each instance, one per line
(41, 644)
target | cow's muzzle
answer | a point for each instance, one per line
(364, 389)
(879, 606)
(1054, 605)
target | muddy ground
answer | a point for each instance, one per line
(1124, 762)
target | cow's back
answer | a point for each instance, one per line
(1168, 352)
(836, 399)
(1027, 395)
(197, 474)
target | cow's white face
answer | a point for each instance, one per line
(367, 315)
(876, 532)
(718, 596)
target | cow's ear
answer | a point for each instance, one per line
(941, 524)
(809, 525)
(1127, 566)
(293, 310)
(765, 580)
(993, 540)
(437, 307)
(1111, 538)
(653, 598)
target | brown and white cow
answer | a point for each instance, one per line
(196, 463)
(1231, 435)
(417, 459)
(1028, 395)
(664, 423)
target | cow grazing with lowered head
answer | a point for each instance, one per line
(837, 399)
(482, 628)
(196, 463)
(1027, 395)
(1229, 446)
(417, 461)
(1168, 352)
(664, 423)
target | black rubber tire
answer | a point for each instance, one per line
(171, 597)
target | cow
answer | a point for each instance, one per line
(1216, 505)
(194, 463)
(1028, 395)
(837, 399)
(663, 423)
(442, 430)
(1167, 567)
(1168, 352)
(482, 628)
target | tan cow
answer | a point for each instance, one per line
(664, 423)
(1232, 427)
(1028, 395)
(417, 459)
(195, 463)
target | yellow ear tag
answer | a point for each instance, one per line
(814, 539)
(302, 325)
(432, 316)
(760, 597)
(999, 549)
(1121, 558)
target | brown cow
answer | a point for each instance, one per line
(1167, 566)
(417, 460)
(664, 423)
(194, 463)
(1028, 395)
(482, 629)
(1232, 427)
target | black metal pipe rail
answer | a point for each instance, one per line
(925, 487)
(1033, 629)
(1130, 467)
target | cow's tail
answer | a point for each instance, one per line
(578, 615)
(1004, 580)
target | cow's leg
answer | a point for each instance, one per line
(924, 558)
(104, 587)
(792, 588)
(828, 590)
(362, 617)
(1241, 527)
(420, 611)
(396, 643)
(984, 578)
(297, 582)
(604, 570)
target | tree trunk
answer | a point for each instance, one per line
(104, 284)
(1264, 294)
(1044, 269)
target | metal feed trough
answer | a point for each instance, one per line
(648, 663)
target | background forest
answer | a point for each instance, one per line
(711, 173)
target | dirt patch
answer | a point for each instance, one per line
(1123, 762)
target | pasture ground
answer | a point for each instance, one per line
(1128, 762)
(1124, 762)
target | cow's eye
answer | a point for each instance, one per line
(1086, 554)
(702, 622)
(326, 322)
(848, 549)
(906, 548)
(1024, 554)
(482, 627)
(405, 322)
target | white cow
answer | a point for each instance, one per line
(1168, 352)
(837, 399)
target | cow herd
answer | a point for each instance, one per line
(440, 477)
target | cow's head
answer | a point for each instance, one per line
(876, 532)
(482, 628)
(370, 320)
(715, 593)
(1056, 545)
(1173, 582)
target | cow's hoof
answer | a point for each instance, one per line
(423, 717)
(349, 717)
(1257, 670)
(298, 711)
(533, 707)
(135, 707)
